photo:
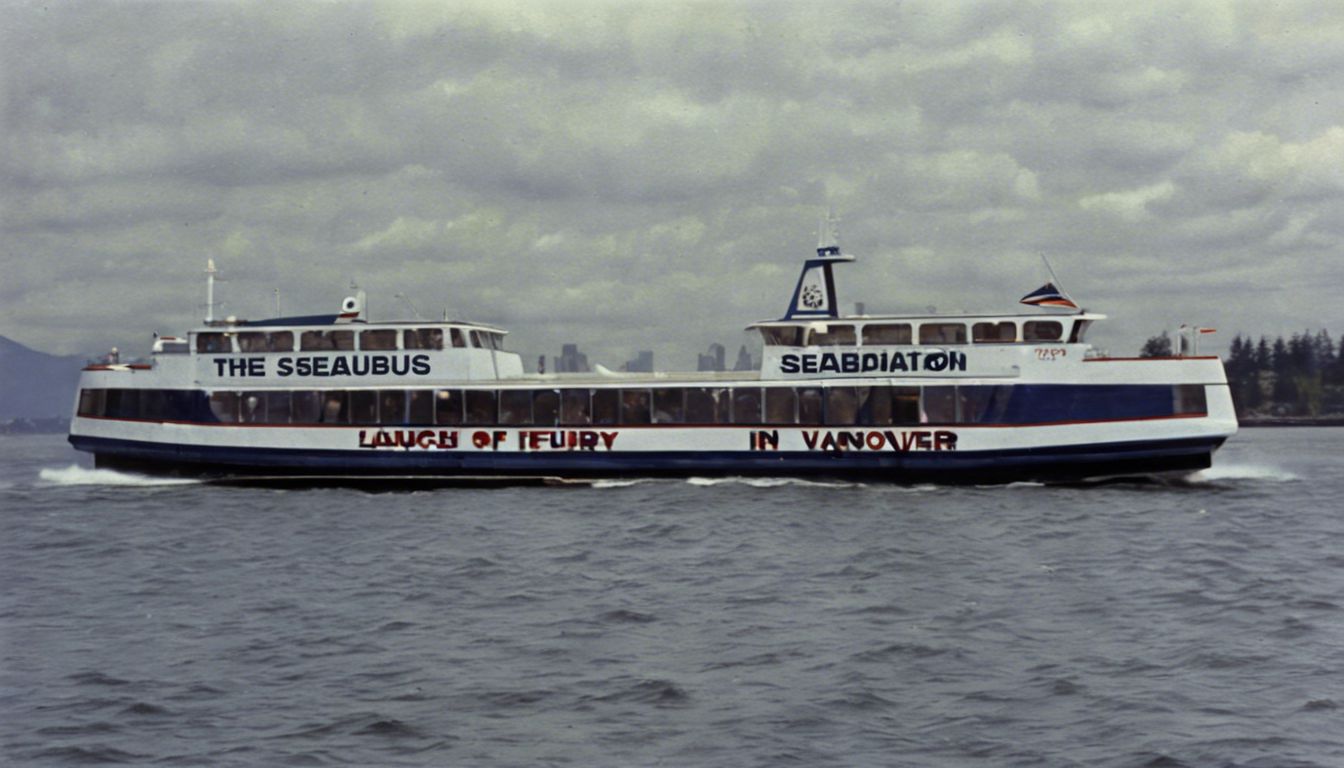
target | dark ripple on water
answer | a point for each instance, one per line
(735, 623)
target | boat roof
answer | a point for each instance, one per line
(336, 321)
(964, 316)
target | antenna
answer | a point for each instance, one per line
(277, 301)
(1053, 276)
(407, 299)
(210, 290)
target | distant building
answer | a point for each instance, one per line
(744, 361)
(571, 360)
(641, 364)
(712, 361)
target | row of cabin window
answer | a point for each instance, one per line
(575, 407)
(902, 333)
(380, 339)
(835, 406)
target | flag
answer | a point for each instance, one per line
(1048, 296)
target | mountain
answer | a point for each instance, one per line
(35, 385)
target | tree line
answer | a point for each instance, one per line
(1302, 375)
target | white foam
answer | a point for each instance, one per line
(767, 482)
(77, 475)
(618, 483)
(1242, 472)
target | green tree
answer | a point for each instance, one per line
(1157, 346)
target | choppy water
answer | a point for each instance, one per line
(721, 623)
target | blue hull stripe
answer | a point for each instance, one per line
(1140, 457)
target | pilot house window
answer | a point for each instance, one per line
(1042, 330)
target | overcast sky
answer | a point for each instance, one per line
(648, 175)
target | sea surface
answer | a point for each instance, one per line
(677, 623)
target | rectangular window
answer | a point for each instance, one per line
(939, 405)
(809, 405)
(844, 405)
(669, 406)
(392, 406)
(1189, 399)
(420, 407)
(152, 404)
(379, 340)
(363, 407)
(252, 408)
(942, 333)
(481, 406)
(705, 405)
(224, 406)
(833, 335)
(982, 333)
(252, 341)
(305, 407)
(448, 408)
(278, 407)
(545, 407)
(781, 405)
(476, 339)
(280, 341)
(576, 407)
(515, 406)
(213, 343)
(887, 333)
(422, 338)
(458, 339)
(985, 404)
(322, 341)
(893, 406)
(635, 406)
(746, 405)
(335, 408)
(92, 402)
(606, 406)
(782, 337)
(1042, 330)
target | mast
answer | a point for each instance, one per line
(210, 290)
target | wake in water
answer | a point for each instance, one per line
(77, 475)
(1235, 472)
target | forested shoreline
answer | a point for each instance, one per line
(1299, 379)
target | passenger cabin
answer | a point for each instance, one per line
(940, 331)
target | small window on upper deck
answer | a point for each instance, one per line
(210, 343)
(1042, 330)
(942, 333)
(790, 336)
(983, 333)
(423, 338)
(252, 341)
(381, 339)
(888, 333)
(833, 335)
(458, 340)
(280, 341)
(318, 341)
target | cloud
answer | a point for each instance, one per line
(603, 173)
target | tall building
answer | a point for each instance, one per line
(641, 364)
(571, 360)
(712, 361)
(744, 361)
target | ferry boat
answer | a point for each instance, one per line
(940, 398)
